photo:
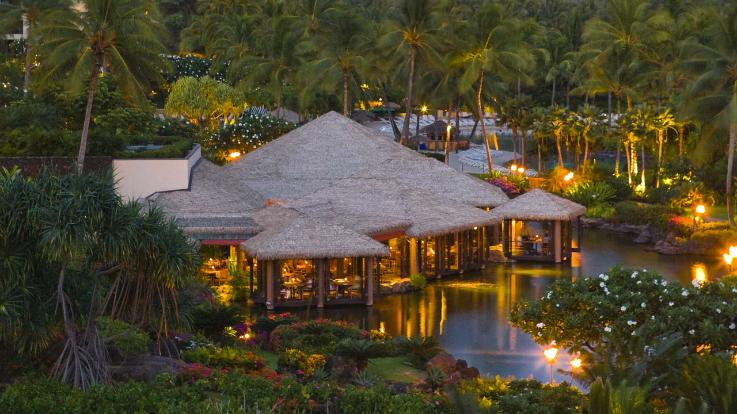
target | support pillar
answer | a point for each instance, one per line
(321, 283)
(460, 251)
(414, 266)
(270, 285)
(557, 239)
(370, 281)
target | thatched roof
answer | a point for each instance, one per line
(438, 130)
(304, 237)
(332, 147)
(537, 204)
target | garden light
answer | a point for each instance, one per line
(576, 363)
(550, 355)
(700, 209)
(568, 177)
(234, 154)
(733, 251)
(423, 109)
(513, 167)
(521, 170)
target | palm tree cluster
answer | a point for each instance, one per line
(655, 70)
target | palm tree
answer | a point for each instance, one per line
(29, 13)
(339, 52)
(662, 123)
(494, 46)
(99, 38)
(412, 27)
(712, 96)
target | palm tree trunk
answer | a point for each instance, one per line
(552, 95)
(480, 110)
(585, 151)
(539, 156)
(568, 95)
(560, 150)
(514, 144)
(27, 74)
(86, 124)
(660, 158)
(642, 181)
(680, 139)
(522, 145)
(473, 130)
(392, 120)
(730, 166)
(458, 115)
(410, 83)
(346, 110)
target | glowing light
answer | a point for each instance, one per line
(727, 259)
(576, 363)
(550, 354)
(521, 170)
(568, 177)
(700, 209)
(475, 228)
(734, 359)
(382, 327)
(699, 273)
(423, 108)
(234, 154)
(513, 167)
(733, 251)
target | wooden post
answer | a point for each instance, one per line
(321, 282)
(270, 285)
(369, 281)
(250, 274)
(460, 251)
(557, 236)
(413, 264)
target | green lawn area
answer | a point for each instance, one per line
(270, 358)
(397, 369)
(717, 212)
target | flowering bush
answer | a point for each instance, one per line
(194, 372)
(680, 225)
(505, 185)
(267, 323)
(625, 317)
(300, 362)
(495, 395)
(249, 132)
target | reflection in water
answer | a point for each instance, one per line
(468, 314)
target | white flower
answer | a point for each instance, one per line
(540, 325)
(732, 326)
(652, 317)
(630, 323)
(692, 332)
(634, 274)
(684, 293)
(639, 282)
(670, 303)
(602, 284)
(734, 290)
(696, 283)
(553, 342)
(642, 305)
(609, 329)
(623, 308)
(664, 283)
(719, 310)
(634, 333)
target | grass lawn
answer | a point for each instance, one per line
(717, 212)
(270, 358)
(397, 369)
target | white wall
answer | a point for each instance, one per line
(139, 178)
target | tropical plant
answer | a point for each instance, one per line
(360, 350)
(419, 349)
(204, 100)
(121, 261)
(101, 38)
(590, 193)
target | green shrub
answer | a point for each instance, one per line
(131, 341)
(379, 399)
(171, 146)
(417, 281)
(225, 357)
(605, 211)
(267, 323)
(622, 189)
(294, 359)
(632, 212)
(590, 193)
(494, 395)
(212, 318)
(360, 350)
(419, 349)
(319, 336)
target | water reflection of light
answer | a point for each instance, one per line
(382, 327)
(698, 272)
(443, 309)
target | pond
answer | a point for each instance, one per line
(468, 313)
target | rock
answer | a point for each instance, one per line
(469, 373)
(145, 368)
(341, 368)
(444, 361)
(645, 236)
(461, 364)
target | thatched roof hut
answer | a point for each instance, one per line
(438, 131)
(539, 205)
(306, 237)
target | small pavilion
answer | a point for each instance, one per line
(539, 226)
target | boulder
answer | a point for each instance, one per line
(341, 368)
(461, 364)
(444, 361)
(145, 368)
(645, 236)
(469, 373)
